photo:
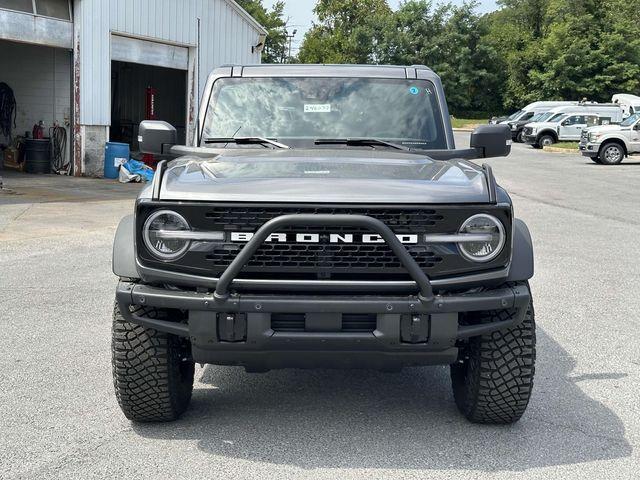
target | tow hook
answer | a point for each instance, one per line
(414, 328)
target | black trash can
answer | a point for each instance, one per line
(37, 155)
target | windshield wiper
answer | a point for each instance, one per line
(368, 142)
(247, 141)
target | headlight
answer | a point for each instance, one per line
(490, 246)
(160, 237)
(534, 131)
(594, 136)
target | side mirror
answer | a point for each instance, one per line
(492, 140)
(156, 137)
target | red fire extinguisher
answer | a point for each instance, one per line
(38, 131)
(150, 114)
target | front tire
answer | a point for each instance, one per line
(611, 154)
(546, 141)
(493, 383)
(152, 371)
(520, 137)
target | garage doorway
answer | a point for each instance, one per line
(129, 100)
(35, 98)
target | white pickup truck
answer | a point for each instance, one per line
(609, 144)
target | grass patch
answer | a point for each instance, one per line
(467, 122)
(567, 145)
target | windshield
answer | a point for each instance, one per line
(627, 122)
(514, 115)
(284, 109)
(541, 117)
(556, 117)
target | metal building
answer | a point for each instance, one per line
(99, 67)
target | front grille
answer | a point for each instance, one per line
(332, 258)
(527, 130)
(351, 322)
(324, 260)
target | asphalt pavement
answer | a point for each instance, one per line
(59, 417)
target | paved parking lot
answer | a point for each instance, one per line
(59, 417)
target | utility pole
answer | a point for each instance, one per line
(290, 38)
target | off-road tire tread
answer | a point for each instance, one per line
(149, 382)
(494, 384)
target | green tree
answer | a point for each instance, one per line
(275, 48)
(348, 31)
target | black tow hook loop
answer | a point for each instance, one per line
(414, 328)
(232, 327)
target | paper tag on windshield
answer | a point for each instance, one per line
(317, 108)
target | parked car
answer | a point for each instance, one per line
(517, 126)
(528, 112)
(311, 242)
(568, 126)
(629, 104)
(609, 144)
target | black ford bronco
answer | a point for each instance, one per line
(324, 218)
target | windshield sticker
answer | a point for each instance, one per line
(414, 90)
(317, 108)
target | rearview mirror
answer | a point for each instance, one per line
(156, 137)
(492, 140)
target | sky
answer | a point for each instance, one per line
(300, 13)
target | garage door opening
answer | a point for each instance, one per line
(35, 107)
(130, 102)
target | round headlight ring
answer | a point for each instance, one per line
(149, 244)
(502, 238)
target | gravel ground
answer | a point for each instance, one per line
(60, 418)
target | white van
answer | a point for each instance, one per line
(566, 123)
(629, 104)
(533, 109)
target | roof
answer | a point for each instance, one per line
(243, 13)
(328, 70)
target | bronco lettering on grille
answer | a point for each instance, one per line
(408, 239)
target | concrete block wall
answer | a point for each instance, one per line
(41, 81)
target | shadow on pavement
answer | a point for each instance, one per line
(366, 419)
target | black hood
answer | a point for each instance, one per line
(323, 175)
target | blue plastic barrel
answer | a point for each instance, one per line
(115, 154)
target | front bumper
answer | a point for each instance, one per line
(228, 327)
(257, 346)
(589, 149)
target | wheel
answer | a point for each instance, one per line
(546, 140)
(493, 383)
(152, 370)
(611, 154)
(520, 137)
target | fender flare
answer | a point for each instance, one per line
(547, 131)
(522, 264)
(620, 141)
(124, 255)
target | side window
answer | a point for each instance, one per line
(592, 120)
(573, 120)
(604, 120)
